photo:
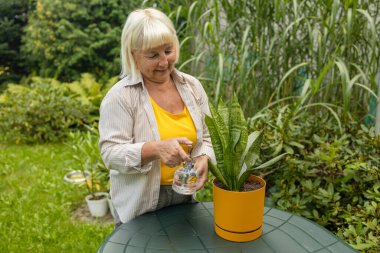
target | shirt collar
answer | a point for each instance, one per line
(176, 75)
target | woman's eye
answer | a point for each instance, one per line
(169, 50)
(152, 56)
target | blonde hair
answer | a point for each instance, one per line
(145, 29)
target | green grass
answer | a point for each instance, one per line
(36, 204)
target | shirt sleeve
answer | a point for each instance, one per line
(116, 143)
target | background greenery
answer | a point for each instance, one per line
(36, 204)
(304, 72)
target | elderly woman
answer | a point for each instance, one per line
(149, 116)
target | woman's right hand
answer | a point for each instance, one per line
(171, 153)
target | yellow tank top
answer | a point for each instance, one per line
(172, 126)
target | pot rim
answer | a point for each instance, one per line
(260, 180)
(84, 174)
(105, 194)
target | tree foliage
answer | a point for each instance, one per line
(66, 38)
(14, 17)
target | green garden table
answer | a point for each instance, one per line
(190, 228)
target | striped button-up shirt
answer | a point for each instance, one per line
(126, 122)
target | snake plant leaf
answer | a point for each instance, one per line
(252, 150)
(229, 169)
(236, 153)
(217, 173)
(223, 111)
(238, 137)
(249, 171)
(221, 128)
(238, 127)
(216, 141)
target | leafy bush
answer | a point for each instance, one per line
(41, 112)
(362, 222)
(90, 92)
(332, 177)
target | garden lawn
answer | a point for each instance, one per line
(36, 204)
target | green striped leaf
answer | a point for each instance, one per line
(223, 111)
(248, 172)
(217, 173)
(216, 141)
(252, 151)
(219, 126)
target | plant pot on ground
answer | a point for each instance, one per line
(85, 146)
(97, 204)
(238, 195)
(97, 200)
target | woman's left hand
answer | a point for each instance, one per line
(201, 166)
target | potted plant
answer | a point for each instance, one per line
(97, 199)
(238, 195)
(88, 157)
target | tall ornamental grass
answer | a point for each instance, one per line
(266, 50)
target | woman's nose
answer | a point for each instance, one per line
(163, 60)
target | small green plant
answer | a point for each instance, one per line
(237, 153)
(95, 183)
(87, 156)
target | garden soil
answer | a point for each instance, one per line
(82, 214)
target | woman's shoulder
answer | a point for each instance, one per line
(123, 84)
(194, 84)
(122, 89)
(188, 78)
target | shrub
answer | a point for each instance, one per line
(332, 177)
(90, 92)
(361, 228)
(41, 112)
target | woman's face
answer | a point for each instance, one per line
(157, 63)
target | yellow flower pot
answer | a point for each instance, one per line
(238, 216)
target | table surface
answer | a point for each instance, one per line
(190, 228)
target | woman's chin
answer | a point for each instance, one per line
(162, 75)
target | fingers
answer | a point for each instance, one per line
(200, 183)
(171, 152)
(183, 155)
(201, 166)
(184, 140)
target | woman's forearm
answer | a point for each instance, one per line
(149, 152)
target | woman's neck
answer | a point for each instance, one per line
(158, 85)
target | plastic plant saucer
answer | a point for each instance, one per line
(77, 176)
